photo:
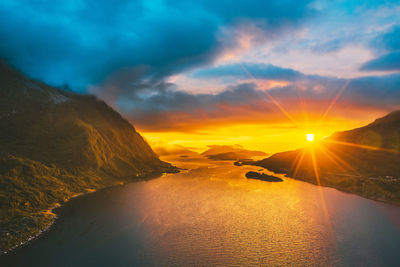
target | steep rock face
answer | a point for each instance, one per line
(55, 144)
(72, 131)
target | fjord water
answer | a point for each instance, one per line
(212, 215)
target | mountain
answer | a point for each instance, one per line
(382, 133)
(55, 144)
(365, 160)
(236, 152)
(175, 150)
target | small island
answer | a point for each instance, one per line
(262, 177)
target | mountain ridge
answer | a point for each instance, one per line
(384, 132)
(365, 160)
(55, 144)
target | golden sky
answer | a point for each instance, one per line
(267, 137)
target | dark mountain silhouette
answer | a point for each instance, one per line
(383, 133)
(365, 160)
(55, 144)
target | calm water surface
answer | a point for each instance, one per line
(212, 215)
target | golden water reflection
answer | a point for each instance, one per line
(211, 214)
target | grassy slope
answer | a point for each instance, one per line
(54, 145)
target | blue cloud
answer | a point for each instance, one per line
(82, 42)
(388, 42)
(388, 62)
(257, 70)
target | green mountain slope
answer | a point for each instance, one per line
(55, 144)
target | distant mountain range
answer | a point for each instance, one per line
(55, 144)
(225, 152)
(365, 160)
(175, 150)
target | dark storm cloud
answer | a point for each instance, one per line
(389, 45)
(82, 42)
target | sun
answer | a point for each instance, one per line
(310, 137)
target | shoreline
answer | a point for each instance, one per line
(305, 180)
(48, 227)
(53, 213)
(34, 237)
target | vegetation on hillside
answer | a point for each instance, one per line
(56, 144)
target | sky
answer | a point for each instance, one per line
(193, 73)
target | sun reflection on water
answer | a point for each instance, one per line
(223, 218)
